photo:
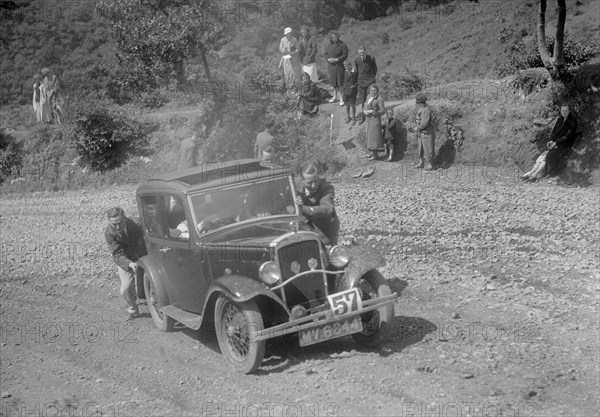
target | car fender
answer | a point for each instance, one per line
(146, 264)
(362, 259)
(241, 288)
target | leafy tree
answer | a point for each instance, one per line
(157, 38)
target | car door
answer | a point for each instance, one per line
(184, 280)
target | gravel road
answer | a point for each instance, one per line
(498, 282)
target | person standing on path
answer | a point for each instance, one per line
(289, 48)
(336, 53)
(374, 109)
(308, 52)
(366, 66)
(425, 133)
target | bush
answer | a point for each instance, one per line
(105, 141)
(395, 86)
(11, 156)
(518, 56)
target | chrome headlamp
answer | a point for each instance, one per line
(269, 273)
(339, 256)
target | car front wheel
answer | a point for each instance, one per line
(161, 320)
(236, 326)
(377, 324)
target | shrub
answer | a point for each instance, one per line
(105, 141)
(11, 156)
(518, 56)
(395, 86)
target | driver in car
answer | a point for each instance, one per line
(315, 196)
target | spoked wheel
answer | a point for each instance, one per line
(236, 325)
(161, 320)
(377, 324)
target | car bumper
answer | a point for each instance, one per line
(325, 317)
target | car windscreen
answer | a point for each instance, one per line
(250, 200)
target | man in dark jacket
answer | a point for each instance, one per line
(308, 51)
(366, 66)
(125, 242)
(315, 196)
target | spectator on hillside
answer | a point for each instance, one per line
(125, 242)
(36, 98)
(315, 196)
(308, 97)
(265, 139)
(425, 133)
(391, 134)
(366, 66)
(558, 146)
(349, 90)
(336, 53)
(307, 53)
(374, 109)
(289, 48)
(188, 152)
(45, 107)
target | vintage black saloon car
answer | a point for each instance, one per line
(227, 246)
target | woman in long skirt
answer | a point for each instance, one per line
(374, 110)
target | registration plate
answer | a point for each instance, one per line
(329, 331)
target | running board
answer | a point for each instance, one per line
(191, 320)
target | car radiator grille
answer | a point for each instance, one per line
(308, 290)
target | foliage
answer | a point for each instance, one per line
(11, 156)
(398, 86)
(518, 56)
(157, 39)
(105, 141)
(67, 38)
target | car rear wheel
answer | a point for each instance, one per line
(236, 325)
(161, 320)
(377, 324)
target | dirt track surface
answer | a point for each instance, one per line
(499, 290)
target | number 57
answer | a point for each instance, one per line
(345, 302)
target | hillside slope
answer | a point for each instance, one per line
(460, 40)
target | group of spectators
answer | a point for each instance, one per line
(47, 98)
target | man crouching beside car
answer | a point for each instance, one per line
(125, 242)
(315, 196)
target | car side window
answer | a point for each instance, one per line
(153, 217)
(178, 225)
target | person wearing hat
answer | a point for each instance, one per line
(336, 53)
(289, 47)
(308, 51)
(425, 133)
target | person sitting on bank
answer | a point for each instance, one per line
(558, 146)
(308, 96)
(316, 196)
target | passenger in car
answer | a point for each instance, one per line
(315, 196)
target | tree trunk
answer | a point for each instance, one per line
(558, 57)
(541, 36)
(554, 64)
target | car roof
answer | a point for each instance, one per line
(211, 175)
